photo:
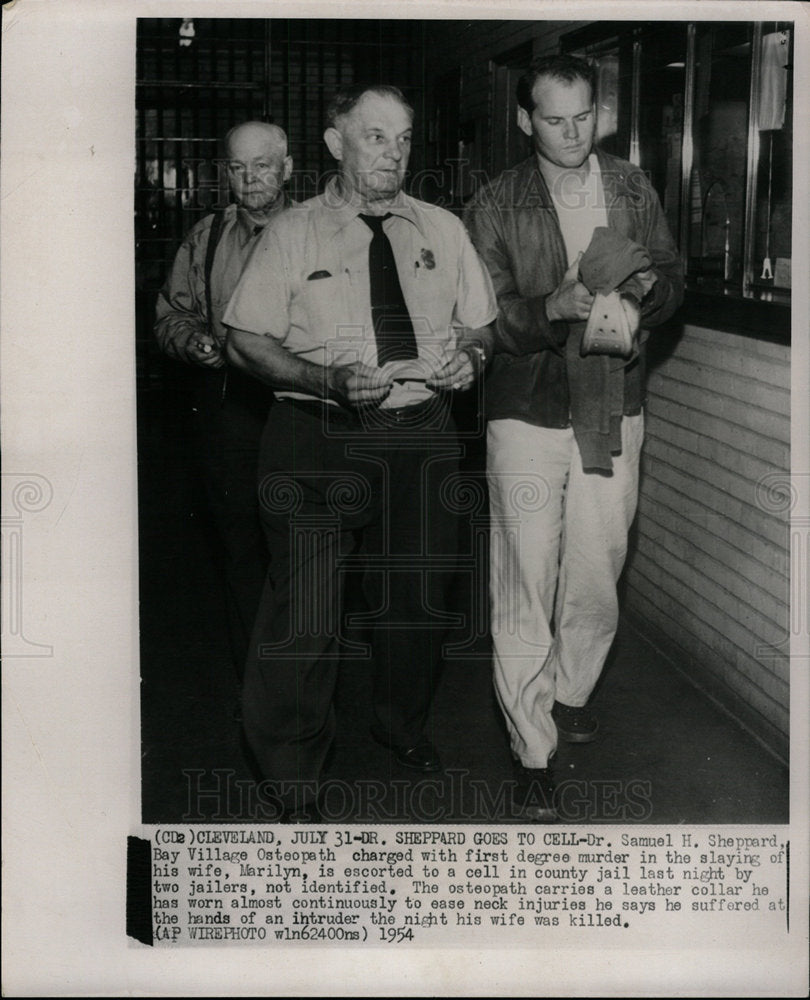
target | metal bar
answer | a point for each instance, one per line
(160, 147)
(687, 141)
(635, 104)
(266, 100)
(191, 85)
(320, 49)
(296, 134)
(299, 41)
(752, 165)
(194, 171)
(231, 73)
(175, 138)
(423, 110)
(177, 152)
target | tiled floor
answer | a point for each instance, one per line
(664, 755)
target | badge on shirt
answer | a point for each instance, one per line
(428, 259)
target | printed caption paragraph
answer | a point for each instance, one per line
(443, 886)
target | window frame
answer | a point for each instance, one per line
(743, 306)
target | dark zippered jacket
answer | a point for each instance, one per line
(514, 228)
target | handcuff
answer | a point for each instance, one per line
(479, 350)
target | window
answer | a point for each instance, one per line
(716, 220)
(774, 191)
(662, 73)
(706, 109)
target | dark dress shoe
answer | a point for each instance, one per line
(534, 794)
(575, 725)
(421, 756)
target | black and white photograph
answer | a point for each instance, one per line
(571, 602)
(405, 498)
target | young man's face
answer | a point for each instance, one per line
(373, 145)
(563, 122)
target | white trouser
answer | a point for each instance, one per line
(558, 544)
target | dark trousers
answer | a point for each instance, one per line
(230, 427)
(336, 496)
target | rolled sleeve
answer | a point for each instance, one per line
(180, 310)
(476, 304)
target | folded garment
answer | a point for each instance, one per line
(611, 259)
(596, 393)
(611, 267)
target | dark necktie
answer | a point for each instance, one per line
(393, 329)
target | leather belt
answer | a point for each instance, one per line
(374, 416)
(322, 410)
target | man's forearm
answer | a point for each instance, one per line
(173, 331)
(523, 325)
(667, 293)
(665, 296)
(180, 314)
(483, 337)
(265, 359)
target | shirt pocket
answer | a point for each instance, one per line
(323, 304)
(330, 316)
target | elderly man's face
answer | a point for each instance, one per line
(373, 144)
(562, 123)
(257, 168)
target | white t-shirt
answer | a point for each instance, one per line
(580, 207)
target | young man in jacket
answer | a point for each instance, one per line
(565, 427)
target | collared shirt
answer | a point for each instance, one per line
(307, 284)
(181, 307)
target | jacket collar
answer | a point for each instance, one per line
(614, 174)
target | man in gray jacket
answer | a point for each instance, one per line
(565, 426)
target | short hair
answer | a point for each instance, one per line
(272, 130)
(565, 68)
(346, 99)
